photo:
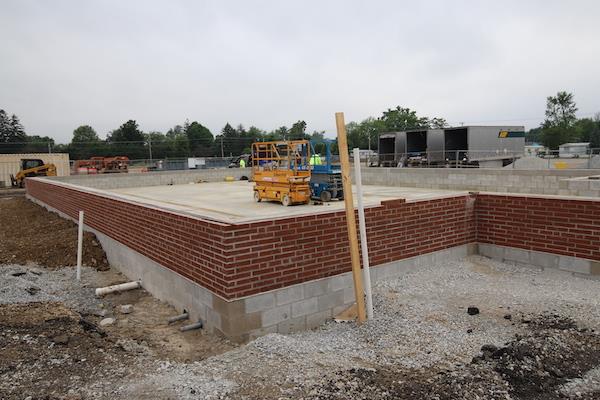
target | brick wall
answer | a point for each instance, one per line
(559, 226)
(190, 247)
(274, 254)
(235, 260)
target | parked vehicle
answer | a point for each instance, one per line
(471, 145)
(31, 168)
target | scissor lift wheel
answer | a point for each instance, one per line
(285, 200)
(257, 196)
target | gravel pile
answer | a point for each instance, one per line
(27, 284)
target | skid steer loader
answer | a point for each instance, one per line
(31, 168)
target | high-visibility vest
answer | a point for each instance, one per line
(242, 163)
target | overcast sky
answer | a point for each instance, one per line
(271, 63)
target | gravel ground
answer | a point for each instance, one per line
(28, 284)
(420, 323)
(422, 342)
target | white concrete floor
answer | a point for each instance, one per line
(233, 201)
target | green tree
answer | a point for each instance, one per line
(85, 144)
(595, 137)
(128, 140)
(174, 131)
(560, 110)
(227, 142)
(297, 131)
(595, 133)
(200, 139)
(280, 133)
(534, 135)
(553, 136)
(85, 133)
(400, 119)
(253, 134)
(12, 134)
(583, 129)
(438, 123)
(558, 127)
(179, 145)
(128, 132)
(365, 134)
(38, 144)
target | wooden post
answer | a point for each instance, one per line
(350, 219)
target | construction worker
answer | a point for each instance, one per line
(315, 159)
(242, 163)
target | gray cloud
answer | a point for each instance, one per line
(269, 63)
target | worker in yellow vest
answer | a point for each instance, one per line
(315, 159)
(242, 163)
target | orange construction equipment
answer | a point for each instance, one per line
(102, 165)
(281, 171)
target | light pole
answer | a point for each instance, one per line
(150, 148)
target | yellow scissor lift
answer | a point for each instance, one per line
(281, 171)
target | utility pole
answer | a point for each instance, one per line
(369, 153)
(222, 153)
(150, 148)
(49, 147)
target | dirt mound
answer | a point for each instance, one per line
(532, 367)
(29, 233)
(44, 343)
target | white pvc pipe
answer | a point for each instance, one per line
(79, 245)
(118, 288)
(363, 235)
(178, 317)
(190, 327)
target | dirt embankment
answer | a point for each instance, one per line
(29, 233)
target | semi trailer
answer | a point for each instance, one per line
(492, 146)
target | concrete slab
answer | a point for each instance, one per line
(233, 201)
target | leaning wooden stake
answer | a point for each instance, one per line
(350, 219)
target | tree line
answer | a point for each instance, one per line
(192, 139)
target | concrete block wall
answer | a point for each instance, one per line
(159, 178)
(579, 267)
(584, 186)
(480, 179)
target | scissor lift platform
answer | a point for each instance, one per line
(281, 171)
